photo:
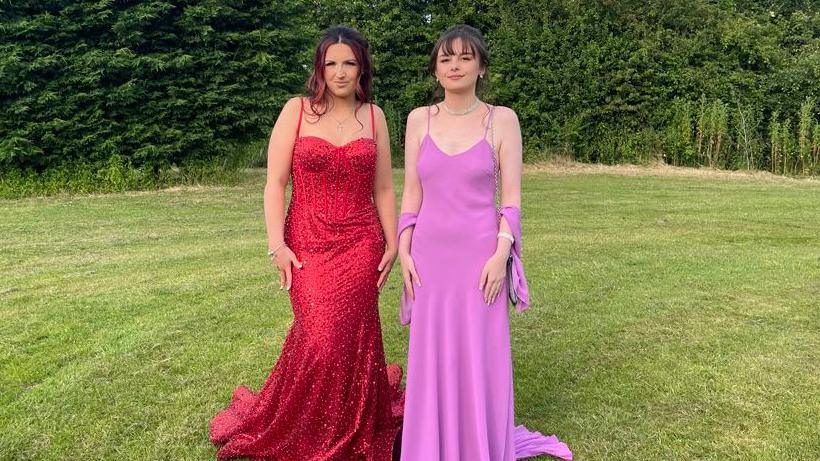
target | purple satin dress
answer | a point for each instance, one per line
(459, 400)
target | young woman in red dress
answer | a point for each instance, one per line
(330, 396)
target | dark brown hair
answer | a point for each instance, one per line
(472, 41)
(317, 87)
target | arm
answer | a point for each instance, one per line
(280, 153)
(509, 148)
(511, 164)
(384, 196)
(412, 192)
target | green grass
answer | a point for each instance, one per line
(673, 318)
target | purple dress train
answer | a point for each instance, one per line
(459, 397)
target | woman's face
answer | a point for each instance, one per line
(460, 71)
(341, 70)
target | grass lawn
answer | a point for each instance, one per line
(673, 318)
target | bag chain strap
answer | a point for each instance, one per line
(496, 166)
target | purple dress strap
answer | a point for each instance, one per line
(519, 281)
(489, 121)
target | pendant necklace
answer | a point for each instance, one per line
(340, 125)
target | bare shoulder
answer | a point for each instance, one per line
(293, 104)
(417, 116)
(291, 107)
(505, 116)
(289, 114)
(378, 112)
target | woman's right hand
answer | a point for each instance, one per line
(408, 272)
(285, 261)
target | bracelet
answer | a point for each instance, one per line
(272, 253)
(507, 235)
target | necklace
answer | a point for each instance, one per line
(340, 125)
(461, 112)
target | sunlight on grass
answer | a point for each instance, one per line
(672, 318)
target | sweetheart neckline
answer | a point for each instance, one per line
(337, 146)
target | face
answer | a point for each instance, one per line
(459, 71)
(341, 70)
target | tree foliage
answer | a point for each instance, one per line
(689, 82)
(157, 83)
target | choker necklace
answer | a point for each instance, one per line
(466, 111)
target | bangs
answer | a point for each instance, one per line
(471, 44)
(468, 44)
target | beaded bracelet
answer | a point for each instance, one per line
(506, 235)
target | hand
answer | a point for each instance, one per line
(408, 273)
(385, 266)
(492, 277)
(285, 260)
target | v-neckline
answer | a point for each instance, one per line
(435, 144)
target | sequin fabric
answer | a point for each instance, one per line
(330, 395)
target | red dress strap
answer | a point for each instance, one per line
(301, 111)
(372, 122)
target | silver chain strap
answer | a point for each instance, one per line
(496, 166)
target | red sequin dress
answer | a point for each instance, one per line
(330, 396)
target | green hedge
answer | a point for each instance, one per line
(155, 83)
(726, 83)
(624, 81)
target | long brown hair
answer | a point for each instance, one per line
(473, 41)
(317, 87)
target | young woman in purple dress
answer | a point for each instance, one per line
(454, 246)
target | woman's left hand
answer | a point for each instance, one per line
(386, 265)
(492, 277)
